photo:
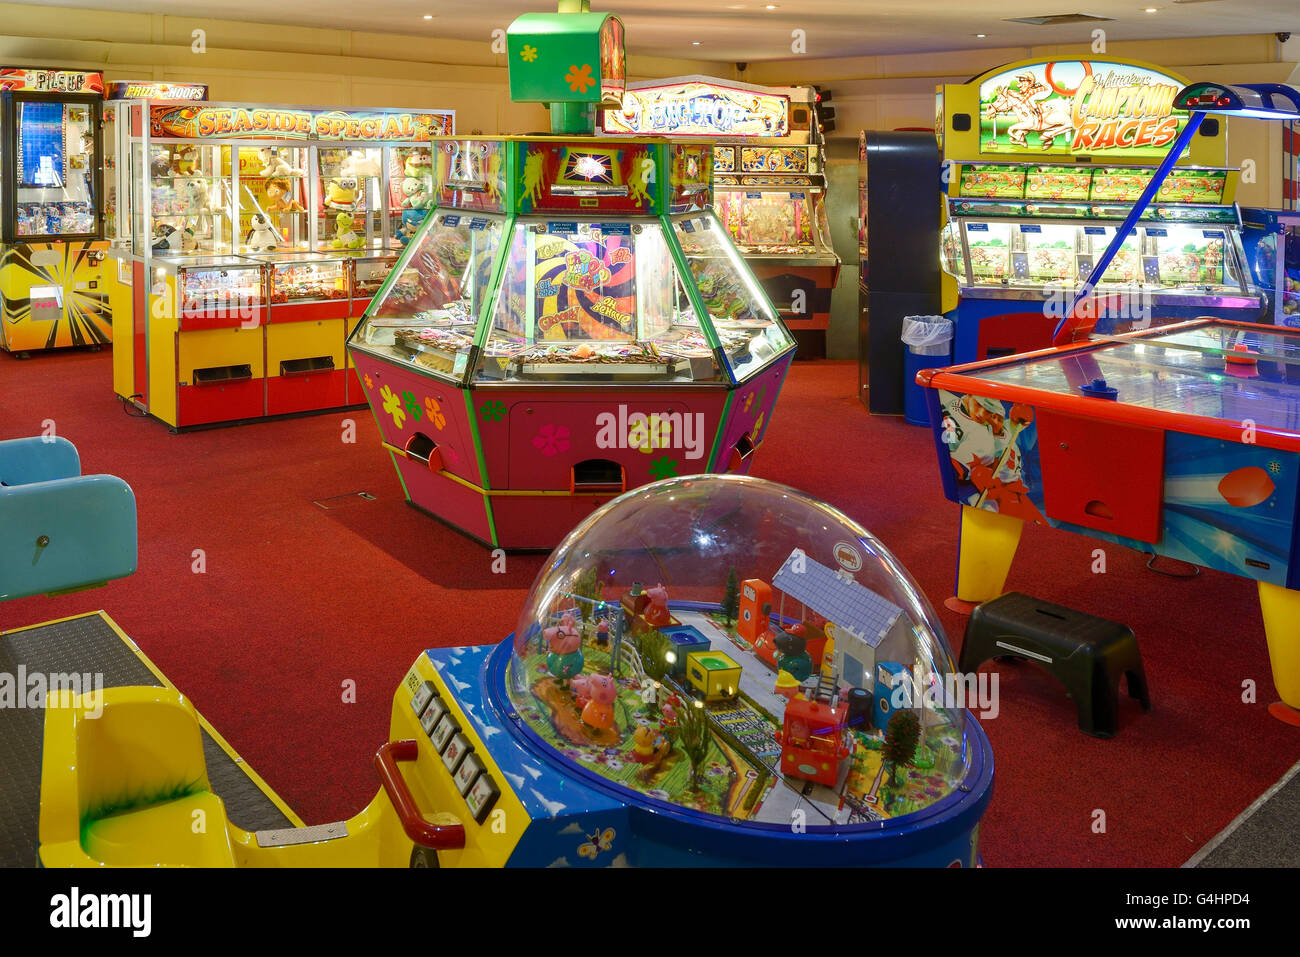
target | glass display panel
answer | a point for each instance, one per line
(410, 191)
(273, 185)
(350, 207)
(768, 221)
(740, 313)
(989, 245)
(428, 315)
(368, 275)
(950, 253)
(214, 284)
(190, 199)
(307, 277)
(625, 666)
(54, 167)
(595, 299)
(1188, 256)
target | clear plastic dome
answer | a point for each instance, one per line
(736, 648)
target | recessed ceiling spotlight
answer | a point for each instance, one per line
(695, 43)
(1151, 10)
(770, 6)
(428, 16)
(981, 36)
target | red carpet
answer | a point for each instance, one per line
(297, 601)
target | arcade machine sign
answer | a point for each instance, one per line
(769, 186)
(51, 210)
(572, 320)
(1045, 160)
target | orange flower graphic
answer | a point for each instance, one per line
(579, 79)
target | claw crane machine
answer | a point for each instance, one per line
(573, 319)
(769, 181)
(51, 205)
(248, 240)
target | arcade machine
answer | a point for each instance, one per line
(898, 275)
(51, 213)
(615, 727)
(1045, 160)
(1036, 438)
(255, 238)
(769, 184)
(1272, 242)
(572, 320)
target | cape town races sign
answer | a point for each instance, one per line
(1079, 107)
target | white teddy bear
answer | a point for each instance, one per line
(360, 165)
(415, 193)
(273, 164)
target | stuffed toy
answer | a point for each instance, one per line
(415, 193)
(273, 164)
(279, 197)
(341, 193)
(344, 237)
(360, 165)
(198, 202)
(418, 165)
(185, 160)
(411, 220)
(167, 239)
(262, 237)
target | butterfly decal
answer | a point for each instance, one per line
(600, 841)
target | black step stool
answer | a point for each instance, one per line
(1086, 653)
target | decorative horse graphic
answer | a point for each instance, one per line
(1032, 117)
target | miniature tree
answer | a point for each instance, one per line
(654, 647)
(694, 737)
(588, 586)
(902, 735)
(731, 597)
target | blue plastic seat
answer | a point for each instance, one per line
(60, 530)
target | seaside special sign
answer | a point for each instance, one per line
(699, 109)
(1072, 107)
(268, 122)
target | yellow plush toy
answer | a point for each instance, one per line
(342, 192)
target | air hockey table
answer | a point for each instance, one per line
(1181, 440)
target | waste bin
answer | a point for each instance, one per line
(929, 345)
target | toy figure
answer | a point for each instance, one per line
(344, 237)
(565, 658)
(279, 197)
(602, 633)
(581, 688)
(599, 711)
(167, 239)
(159, 166)
(360, 165)
(273, 164)
(198, 202)
(793, 657)
(341, 193)
(262, 237)
(656, 612)
(415, 193)
(648, 745)
(411, 220)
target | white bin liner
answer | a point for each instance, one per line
(927, 335)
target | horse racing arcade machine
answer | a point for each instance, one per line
(572, 320)
(1044, 161)
(1181, 440)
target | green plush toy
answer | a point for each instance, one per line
(344, 237)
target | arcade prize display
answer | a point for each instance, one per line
(247, 241)
(769, 183)
(1045, 161)
(1272, 240)
(572, 320)
(1181, 440)
(51, 241)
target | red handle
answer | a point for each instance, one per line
(439, 837)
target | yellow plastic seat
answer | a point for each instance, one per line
(128, 787)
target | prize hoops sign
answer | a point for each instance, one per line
(1073, 107)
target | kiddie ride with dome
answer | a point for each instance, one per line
(711, 670)
(572, 320)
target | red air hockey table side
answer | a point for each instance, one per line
(1182, 440)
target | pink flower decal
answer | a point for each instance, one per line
(551, 439)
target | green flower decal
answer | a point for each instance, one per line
(663, 468)
(493, 411)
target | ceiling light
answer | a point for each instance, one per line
(1151, 9)
(428, 16)
(981, 36)
(770, 6)
(695, 43)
